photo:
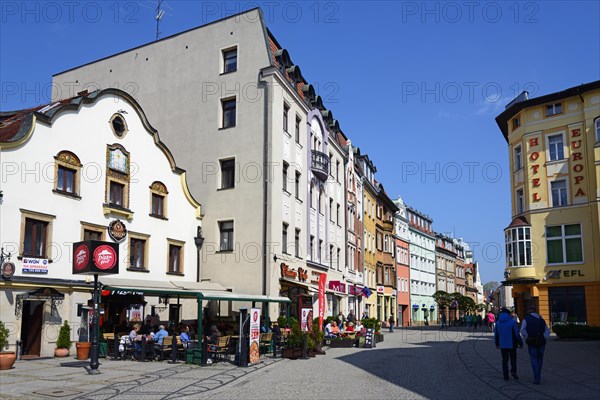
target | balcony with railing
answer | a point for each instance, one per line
(320, 164)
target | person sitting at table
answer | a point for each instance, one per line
(159, 336)
(134, 338)
(359, 327)
(327, 331)
(184, 336)
(335, 330)
(350, 327)
(264, 328)
(147, 327)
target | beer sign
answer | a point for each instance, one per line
(95, 257)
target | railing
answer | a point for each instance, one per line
(320, 164)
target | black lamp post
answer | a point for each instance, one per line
(198, 241)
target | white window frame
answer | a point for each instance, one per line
(554, 112)
(597, 128)
(518, 160)
(548, 154)
(563, 238)
(551, 192)
(520, 206)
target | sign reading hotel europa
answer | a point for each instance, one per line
(95, 257)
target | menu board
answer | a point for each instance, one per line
(306, 320)
(254, 353)
(369, 342)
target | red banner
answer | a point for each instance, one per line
(322, 280)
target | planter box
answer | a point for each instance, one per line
(378, 337)
(341, 343)
(291, 353)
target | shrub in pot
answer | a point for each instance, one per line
(63, 343)
(7, 358)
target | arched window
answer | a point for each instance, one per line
(67, 171)
(158, 200)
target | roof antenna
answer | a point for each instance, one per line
(159, 14)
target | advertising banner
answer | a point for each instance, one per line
(35, 265)
(322, 279)
(254, 349)
(306, 320)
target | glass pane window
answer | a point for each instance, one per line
(230, 60)
(226, 239)
(555, 147)
(136, 253)
(227, 174)
(564, 244)
(34, 244)
(116, 193)
(174, 258)
(158, 205)
(66, 179)
(559, 193)
(229, 107)
(89, 234)
(518, 247)
(518, 158)
(284, 239)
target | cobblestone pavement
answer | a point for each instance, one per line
(410, 364)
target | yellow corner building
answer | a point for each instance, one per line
(553, 241)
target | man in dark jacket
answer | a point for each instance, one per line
(535, 332)
(507, 337)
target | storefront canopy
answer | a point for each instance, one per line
(201, 291)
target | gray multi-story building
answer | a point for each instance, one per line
(238, 114)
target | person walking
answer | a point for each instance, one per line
(443, 318)
(535, 331)
(491, 320)
(507, 338)
(391, 322)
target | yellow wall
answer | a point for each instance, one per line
(369, 226)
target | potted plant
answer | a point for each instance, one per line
(83, 345)
(63, 343)
(7, 358)
(293, 348)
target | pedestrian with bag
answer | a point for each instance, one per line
(535, 331)
(507, 338)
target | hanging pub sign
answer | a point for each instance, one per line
(117, 230)
(8, 270)
(95, 257)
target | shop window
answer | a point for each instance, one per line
(158, 200)
(226, 235)
(175, 257)
(567, 304)
(66, 176)
(564, 244)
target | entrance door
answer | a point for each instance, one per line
(31, 328)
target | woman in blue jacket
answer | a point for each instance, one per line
(507, 338)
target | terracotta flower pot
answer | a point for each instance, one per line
(83, 350)
(61, 352)
(7, 359)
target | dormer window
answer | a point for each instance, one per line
(553, 109)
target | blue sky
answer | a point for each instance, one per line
(416, 85)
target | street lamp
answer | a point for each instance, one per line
(198, 241)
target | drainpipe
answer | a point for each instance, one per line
(265, 255)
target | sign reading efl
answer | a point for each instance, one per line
(95, 257)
